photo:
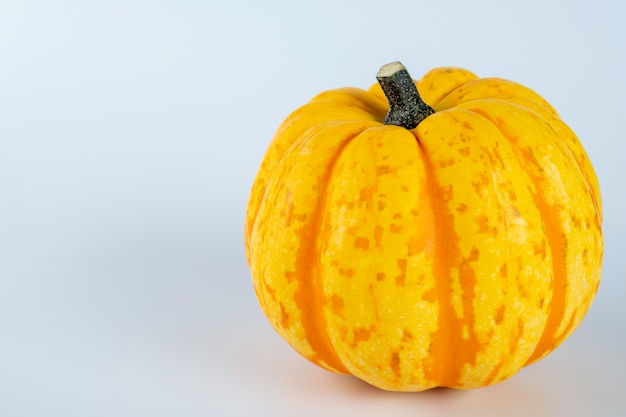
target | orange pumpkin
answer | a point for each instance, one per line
(422, 245)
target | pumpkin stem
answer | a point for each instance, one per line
(406, 107)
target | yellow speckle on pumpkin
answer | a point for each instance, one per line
(378, 234)
(363, 334)
(385, 169)
(499, 315)
(366, 193)
(284, 317)
(346, 272)
(395, 363)
(483, 225)
(448, 192)
(361, 243)
(406, 335)
(541, 249)
(336, 304)
(290, 275)
(402, 264)
(446, 162)
(415, 245)
(480, 184)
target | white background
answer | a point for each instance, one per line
(130, 132)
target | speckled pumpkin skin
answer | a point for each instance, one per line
(453, 254)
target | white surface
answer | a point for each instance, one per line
(130, 132)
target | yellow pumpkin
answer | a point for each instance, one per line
(446, 244)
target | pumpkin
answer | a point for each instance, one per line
(418, 245)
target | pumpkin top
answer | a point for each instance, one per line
(406, 107)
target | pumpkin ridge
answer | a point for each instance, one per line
(266, 243)
(354, 97)
(280, 146)
(556, 242)
(463, 339)
(437, 105)
(370, 251)
(596, 199)
(309, 294)
(261, 181)
(567, 149)
(504, 200)
(555, 323)
(446, 251)
(450, 77)
(511, 93)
